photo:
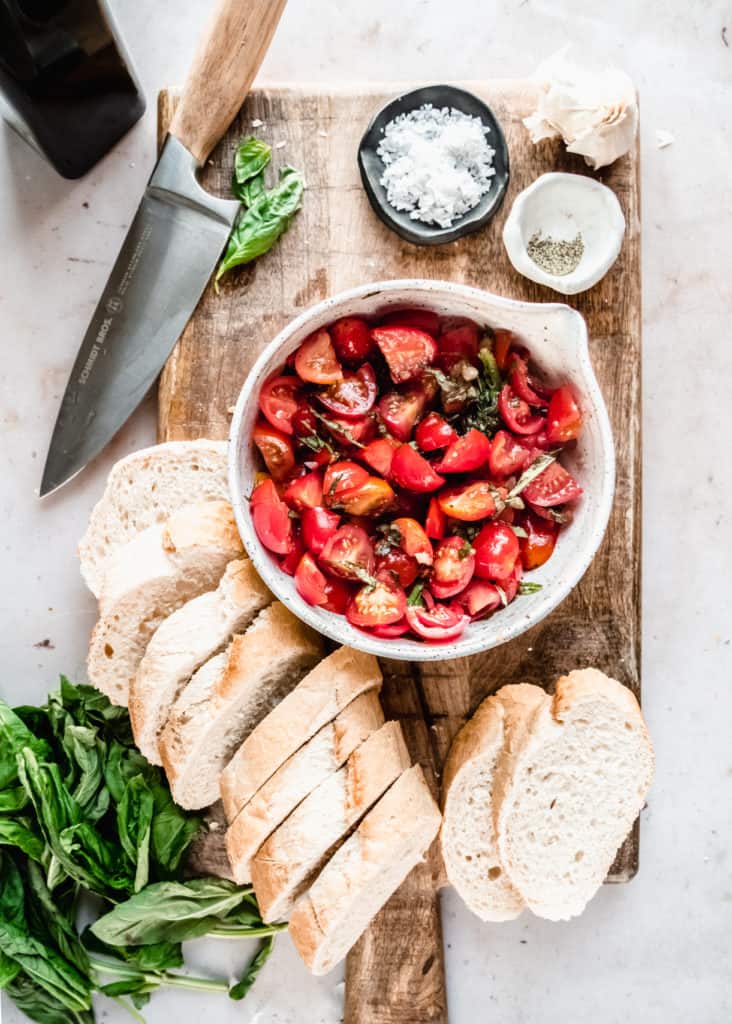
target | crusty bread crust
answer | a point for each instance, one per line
(317, 699)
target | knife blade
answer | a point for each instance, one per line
(171, 248)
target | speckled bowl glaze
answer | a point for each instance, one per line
(557, 339)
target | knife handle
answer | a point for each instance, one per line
(223, 69)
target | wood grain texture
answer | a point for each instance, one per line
(395, 973)
(224, 66)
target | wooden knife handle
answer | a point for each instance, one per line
(223, 69)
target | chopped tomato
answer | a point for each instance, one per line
(278, 400)
(480, 598)
(377, 605)
(468, 502)
(337, 595)
(554, 486)
(407, 350)
(352, 339)
(423, 319)
(318, 525)
(436, 521)
(441, 623)
(502, 347)
(400, 410)
(537, 547)
(412, 471)
(563, 418)
(466, 453)
(379, 454)
(353, 433)
(517, 414)
(305, 492)
(304, 421)
(291, 560)
(458, 343)
(371, 498)
(348, 553)
(510, 586)
(391, 630)
(414, 540)
(496, 551)
(342, 478)
(404, 567)
(315, 360)
(271, 518)
(453, 568)
(309, 580)
(526, 389)
(434, 432)
(508, 456)
(276, 449)
(353, 395)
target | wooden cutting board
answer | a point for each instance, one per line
(396, 971)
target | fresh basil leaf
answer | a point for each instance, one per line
(169, 911)
(173, 831)
(251, 157)
(9, 970)
(252, 969)
(18, 832)
(86, 753)
(251, 190)
(13, 799)
(52, 918)
(45, 966)
(88, 706)
(12, 892)
(536, 468)
(529, 588)
(14, 737)
(134, 823)
(36, 1003)
(259, 227)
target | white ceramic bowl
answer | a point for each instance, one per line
(557, 339)
(562, 206)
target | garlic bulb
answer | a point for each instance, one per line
(595, 112)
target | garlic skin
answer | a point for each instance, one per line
(595, 112)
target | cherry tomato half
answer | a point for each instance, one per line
(291, 560)
(458, 343)
(271, 518)
(352, 339)
(354, 395)
(434, 432)
(318, 525)
(537, 547)
(315, 360)
(276, 449)
(414, 540)
(379, 454)
(309, 580)
(413, 472)
(508, 456)
(554, 486)
(342, 478)
(480, 598)
(278, 400)
(348, 553)
(443, 622)
(400, 410)
(391, 630)
(404, 567)
(517, 414)
(371, 498)
(563, 418)
(466, 453)
(436, 521)
(407, 350)
(496, 551)
(377, 605)
(351, 433)
(468, 502)
(522, 385)
(305, 492)
(454, 567)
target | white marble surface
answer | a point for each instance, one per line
(657, 950)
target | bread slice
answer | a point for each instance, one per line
(149, 578)
(323, 754)
(332, 685)
(184, 641)
(146, 488)
(293, 853)
(573, 792)
(470, 797)
(364, 872)
(228, 696)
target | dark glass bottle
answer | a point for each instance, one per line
(67, 85)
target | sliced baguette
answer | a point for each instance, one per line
(149, 578)
(290, 857)
(572, 793)
(323, 754)
(184, 641)
(332, 685)
(364, 872)
(470, 800)
(228, 696)
(146, 488)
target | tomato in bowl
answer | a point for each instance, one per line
(420, 469)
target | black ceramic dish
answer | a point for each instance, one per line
(372, 167)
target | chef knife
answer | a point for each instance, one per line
(171, 248)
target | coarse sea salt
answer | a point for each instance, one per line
(437, 163)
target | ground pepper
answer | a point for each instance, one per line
(556, 256)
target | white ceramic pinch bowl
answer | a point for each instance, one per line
(563, 206)
(556, 337)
